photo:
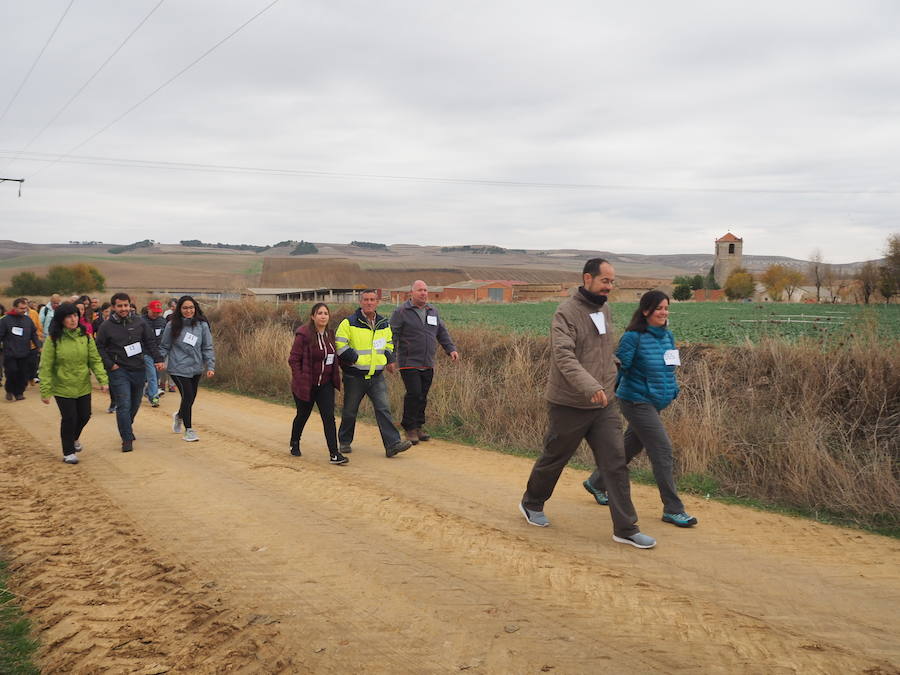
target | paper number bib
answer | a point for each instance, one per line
(190, 339)
(671, 357)
(432, 320)
(17, 330)
(133, 349)
(379, 343)
(599, 321)
(329, 359)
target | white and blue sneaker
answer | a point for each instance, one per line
(536, 518)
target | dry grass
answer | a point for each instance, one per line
(789, 423)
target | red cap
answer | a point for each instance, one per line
(154, 306)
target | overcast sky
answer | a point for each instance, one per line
(650, 127)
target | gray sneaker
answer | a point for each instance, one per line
(397, 448)
(78, 446)
(176, 423)
(346, 449)
(536, 518)
(637, 540)
(71, 459)
(190, 435)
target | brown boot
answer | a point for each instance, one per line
(422, 435)
(412, 435)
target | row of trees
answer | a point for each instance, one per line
(64, 279)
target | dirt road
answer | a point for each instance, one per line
(231, 555)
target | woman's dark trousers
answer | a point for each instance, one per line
(74, 414)
(322, 397)
(187, 387)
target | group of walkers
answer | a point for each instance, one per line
(591, 380)
(115, 346)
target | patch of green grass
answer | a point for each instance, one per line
(16, 645)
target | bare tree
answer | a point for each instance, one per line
(835, 280)
(817, 272)
(869, 276)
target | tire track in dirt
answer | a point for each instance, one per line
(421, 564)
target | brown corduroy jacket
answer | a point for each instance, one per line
(582, 361)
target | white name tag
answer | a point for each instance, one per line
(671, 357)
(379, 343)
(17, 330)
(190, 338)
(158, 331)
(133, 349)
(432, 320)
(600, 322)
(329, 359)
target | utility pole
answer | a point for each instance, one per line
(14, 180)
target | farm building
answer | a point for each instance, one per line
(462, 291)
(279, 295)
(708, 295)
(631, 290)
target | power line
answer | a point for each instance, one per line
(90, 79)
(120, 162)
(162, 86)
(34, 65)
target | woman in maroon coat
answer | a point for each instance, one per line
(315, 376)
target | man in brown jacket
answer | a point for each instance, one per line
(582, 405)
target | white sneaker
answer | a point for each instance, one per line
(190, 435)
(78, 447)
(71, 459)
(176, 423)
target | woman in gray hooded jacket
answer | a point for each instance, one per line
(187, 342)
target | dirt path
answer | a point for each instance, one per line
(230, 555)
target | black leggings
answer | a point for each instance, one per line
(187, 387)
(323, 397)
(75, 413)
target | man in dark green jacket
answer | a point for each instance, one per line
(17, 333)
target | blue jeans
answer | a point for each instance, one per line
(376, 389)
(128, 386)
(150, 374)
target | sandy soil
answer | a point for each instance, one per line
(229, 555)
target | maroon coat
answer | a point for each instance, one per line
(308, 362)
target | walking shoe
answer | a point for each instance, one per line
(20, 397)
(397, 448)
(637, 540)
(36, 380)
(176, 423)
(172, 387)
(346, 449)
(423, 436)
(127, 446)
(160, 392)
(599, 495)
(536, 518)
(9, 397)
(77, 446)
(190, 436)
(680, 519)
(412, 435)
(111, 409)
(295, 450)
(154, 402)
(338, 458)
(71, 459)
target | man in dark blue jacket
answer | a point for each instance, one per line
(416, 327)
(17, 332)
(122, 341)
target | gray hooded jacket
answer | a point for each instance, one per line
(186, 359)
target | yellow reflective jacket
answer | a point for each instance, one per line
(364, 352)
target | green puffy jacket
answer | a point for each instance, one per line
(66, 365)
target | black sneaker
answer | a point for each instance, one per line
(346, 449)
(127, 446)
(9, 397)
(338, 458)
(19, 397)
(295, 450)
(397, 448)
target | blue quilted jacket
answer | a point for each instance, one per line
(643, 374)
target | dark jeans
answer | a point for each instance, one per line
(127, 386)
(376, 389)
(74, 414)
(646, 432)
(34, 362)
(17, 370)
(323, 397)
(417, 383)
(602, 429)
(187, 387)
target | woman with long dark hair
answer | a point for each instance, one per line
(315, 376)
(187, 342)
(68, 358)
(646, 385)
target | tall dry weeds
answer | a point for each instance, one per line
(796, 423)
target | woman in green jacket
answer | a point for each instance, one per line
(67, 361)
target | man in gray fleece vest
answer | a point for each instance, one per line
(582, 405)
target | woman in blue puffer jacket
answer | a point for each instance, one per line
(646, 385)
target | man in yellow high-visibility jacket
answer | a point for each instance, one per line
(365, 348)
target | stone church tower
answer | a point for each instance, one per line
(729, 252)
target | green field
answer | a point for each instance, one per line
(711, 322)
